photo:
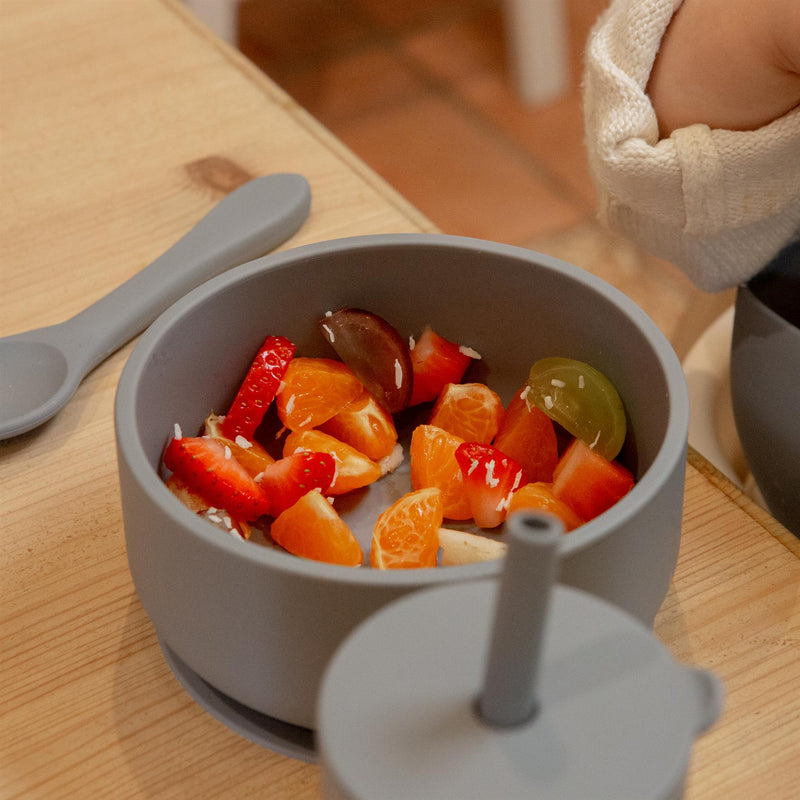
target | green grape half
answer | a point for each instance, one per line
(580, 399)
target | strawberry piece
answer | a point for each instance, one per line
(528, 435)
(490, 479)
(259, 387)
(435, 362)
(208, 468)
(292, 476)
(589, 483)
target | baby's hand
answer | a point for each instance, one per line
(731, 64)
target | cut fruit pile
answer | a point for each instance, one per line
(553, 448)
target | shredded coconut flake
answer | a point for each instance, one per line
(473, 463)
(548, 402)
(490, 478)
(306, 421)
(327, 330)
(559, 384)
(468, 351)
(214, 518)
(177, 432)
(504, 503)
(411, 343)
(596, 440)
(242, 442)
(581, 382)
(329, 313)
(398, 373)
(290, 404)
(227, 452)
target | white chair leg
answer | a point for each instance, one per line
(536, 31)
(220, 15)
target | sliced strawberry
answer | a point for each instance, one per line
(436, 361)
(258, 388)
(199, 506)
(528, 435)
(589, 483)
(208, 468)
(292, 476)
(490, 479)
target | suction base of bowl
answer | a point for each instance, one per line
(268, 732)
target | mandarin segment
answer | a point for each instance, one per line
(538, 496)
(365, 425)
(312, 529)
(433, 464)
(314, 390)
(472, 411)
(406, 535)
(353, 469)
(249, 453)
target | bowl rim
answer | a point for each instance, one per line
(671, 451)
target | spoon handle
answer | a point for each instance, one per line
(246, 224)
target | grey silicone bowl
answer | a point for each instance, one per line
(765, 382)
(260, 625)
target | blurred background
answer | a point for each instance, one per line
(422, 91)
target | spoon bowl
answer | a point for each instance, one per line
(41, 369)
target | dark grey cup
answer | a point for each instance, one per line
(765, 383)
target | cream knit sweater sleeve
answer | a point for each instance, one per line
(717, 203)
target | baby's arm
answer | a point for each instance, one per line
(731, 64)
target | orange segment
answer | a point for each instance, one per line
(311, 528)
(365, 425)
(353, 469)
(469, 410)
(539, 497)
(407, 534)
(433, 464)
(527, 435)
(313, 390)
(250, 454)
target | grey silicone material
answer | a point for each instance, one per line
(765, 392)
(617, 714)
(42, 368)
(260, 625)
(508, 695)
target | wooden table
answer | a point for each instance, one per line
(121, 124)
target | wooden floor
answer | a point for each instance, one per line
(421, 91)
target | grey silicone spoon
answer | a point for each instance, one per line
(41, 369)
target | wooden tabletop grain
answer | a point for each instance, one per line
(121, 124)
